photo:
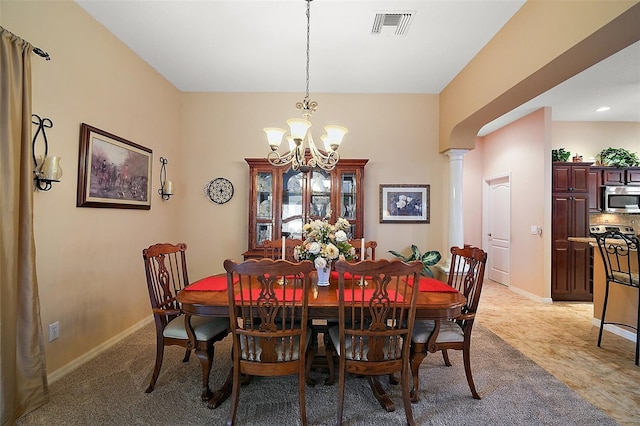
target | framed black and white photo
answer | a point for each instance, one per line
(404, 203)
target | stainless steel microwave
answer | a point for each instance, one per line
(622, 199)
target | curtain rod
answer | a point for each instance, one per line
(36, 50)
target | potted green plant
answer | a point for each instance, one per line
(618, 157)
(428, 258)
(560, 154)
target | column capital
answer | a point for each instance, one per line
(455, 153)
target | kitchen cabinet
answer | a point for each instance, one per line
(570, 177)
(571, 271)
(282, 200)
(595, 190)
(621, 176)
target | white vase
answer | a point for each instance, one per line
(323, 276)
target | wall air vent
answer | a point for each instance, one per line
(392, 23)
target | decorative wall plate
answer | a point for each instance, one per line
(219, 190)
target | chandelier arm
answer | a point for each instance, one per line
(324, 161)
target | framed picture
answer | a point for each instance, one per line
(112, 172)
(404, 203)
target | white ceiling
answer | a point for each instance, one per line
(259, 46)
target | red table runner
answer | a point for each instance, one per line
(212, 283)
(357, 295)
(431, 284)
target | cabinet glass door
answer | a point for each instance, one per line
(348, 199)
(264, 207)
(320, 195)
(292, 204)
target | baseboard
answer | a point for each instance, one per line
(618, 331)
(530, 295)
(88, 356)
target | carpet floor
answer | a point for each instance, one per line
(109, 390)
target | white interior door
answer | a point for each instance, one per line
(498, 228)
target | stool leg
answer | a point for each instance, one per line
(604, 311)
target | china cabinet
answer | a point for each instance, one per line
(281, 200)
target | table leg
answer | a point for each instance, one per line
(380, 394)
(223, 393)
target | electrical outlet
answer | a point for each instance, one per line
(54, 331)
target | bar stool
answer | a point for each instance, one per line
(621, 259)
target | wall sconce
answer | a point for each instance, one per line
(166, 186)
(46, 168)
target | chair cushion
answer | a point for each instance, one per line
(205, 328)
(334, 334)
(449, 331)
(251, 357)
(623, 278)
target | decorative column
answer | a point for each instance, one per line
(456, 223)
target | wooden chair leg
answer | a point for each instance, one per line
(445, 357)
(311, 355)
(301, 395)
(406, 396)
(418, 354)
(341, 379)
(206, 360)
(330, 352)
(467, 366)
(235, 394)
(158, 365)
(187, 355)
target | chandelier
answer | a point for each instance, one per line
(300, 137)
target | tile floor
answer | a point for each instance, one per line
(562, 340)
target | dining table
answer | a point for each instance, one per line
(209, 297)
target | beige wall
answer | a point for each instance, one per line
(89, 262)
(544, 44)
(397, 133)
(589, 138)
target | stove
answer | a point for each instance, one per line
(601, 228)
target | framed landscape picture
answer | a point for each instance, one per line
(404, 203)
(112, 172)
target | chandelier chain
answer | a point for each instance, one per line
(308, 34)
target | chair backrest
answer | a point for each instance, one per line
(467, 274)
(377, 308)
(266, 316)
(166, 270)
(620, 256)
(273, 249)
(369, 248)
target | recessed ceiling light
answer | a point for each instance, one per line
(602, 109)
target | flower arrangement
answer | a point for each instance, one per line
(325, 243)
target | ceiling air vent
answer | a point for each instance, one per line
(392, 23)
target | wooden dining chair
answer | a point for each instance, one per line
(369, 248)
(375, 321)
(466, 274)
(621, 258)
(268, 322)
(272, 249)
(166, 271)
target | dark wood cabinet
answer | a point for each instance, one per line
(571, 177)
(624, 176)
(632, 176)
(595, 190)
(612, 176)
(571, 277)
(282, 200)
